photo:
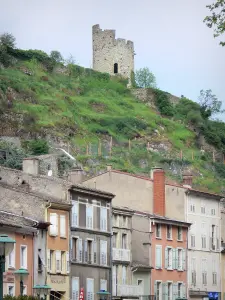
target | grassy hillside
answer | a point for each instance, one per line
(89, 110)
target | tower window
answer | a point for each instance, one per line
(115, 68)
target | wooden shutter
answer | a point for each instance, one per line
(54, 224)
(89, 216)
(67, 262)
(58, 261)
(62, 225)
(183, 259)
(183, 290)
(124, 275)
(103, 252)
(48, 260)
(75, 211)
(90, 289)
(158, 262)
(80, 246)
(164, 291)
(166, 257)
(114, 280)
(174, 265)
(175, 291)
(103, 284)
(103, 218)
(95, 252)
(75, 288)
(85, 251)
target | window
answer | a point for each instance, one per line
(40, 263)
(214, 273)
(89, 216)
(116, 220)
(67, 262)
(62, 226)
(95, 252)
(124, 241)
(213, 212)
(169, 291)
(103, 253)
(214, 278)
(90, 289)
(179, 290)
(193, 241)
(103, 285)
(115, 68)
(158, 290)
(140, 282)
(114, 239)
(23, 257)
(168, 258)
(50, 254)
(75, 288)
(179, 259)
(192, 207)
(54, 224)
(204, 272)
(213, 247)
(179, 233)
(169, 232)
(58, 261)
(75, 214)
(202, 208)
(124, 275)
(103, 219)
(158, 230)
(11, 290)
(88, 249)
(124, 221)
(203, 242)
(75, 248)
(11, 260)
(158, 257)
(193, 271)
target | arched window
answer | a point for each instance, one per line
(115, 68)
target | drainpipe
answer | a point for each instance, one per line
(110, 253)
(150, 253)
(46, 257)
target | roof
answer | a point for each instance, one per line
(207, 194)
(40, 157)
(168, 220)
(17, 221)
(82, 188)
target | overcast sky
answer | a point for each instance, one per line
(169, 37)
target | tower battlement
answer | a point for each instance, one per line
(111, 55)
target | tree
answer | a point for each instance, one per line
(145, 79)
(56, 56)
(70, 60)
(7, 40)
(217, 18)
(209, 104)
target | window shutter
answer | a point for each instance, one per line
(175, 291)
(75, 288)
(103, 284)
(103, 217)
(103, 252)
(95, 252)
(85, 251)
(62, 226)
(71, 249)
(114, 280)
(58, 261)
(11, 258)
(164, 291)
(158, 263)
(124, 275)
(183, 259)
(174, 259)
(184, 290)
(75, 222)
(49, 260)
(54, 224)
(67, 262)
(80, 250)
(155, 288)
(90, 289)
(166, 257)
(89, 216)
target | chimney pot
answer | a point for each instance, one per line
(187, 179)
(76, 175)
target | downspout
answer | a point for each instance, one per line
(110, 253)
(46, 257)
(150, 253)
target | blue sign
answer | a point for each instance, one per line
(213, 295)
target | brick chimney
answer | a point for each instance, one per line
(76, 175)
(159, 206)
(187, 179)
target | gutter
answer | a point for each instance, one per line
(111, 252)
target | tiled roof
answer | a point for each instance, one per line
(14, 220)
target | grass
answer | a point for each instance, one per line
(93, 108)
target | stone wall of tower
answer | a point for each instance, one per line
(107, 51)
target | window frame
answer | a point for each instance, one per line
(21, 265)
(181, 239)
(169, 232)
(160, 231)
(62, 234)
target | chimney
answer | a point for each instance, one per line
(109, 167)
(31, 166)
(187, 179)
(158, 176)
(76, 176)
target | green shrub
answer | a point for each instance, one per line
(36, 147)
(163, 104)
(25, 297)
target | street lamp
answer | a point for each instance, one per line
(22, 273)
(42, 290)
(6, 247)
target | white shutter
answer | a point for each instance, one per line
(11, 258)
(166, 258)
(58, 261)
(89, 216)
(49, 260)
(124, 275)
(85, 251)
(184, 290)
(103, 218)
(158, 256)
(80, 250)
(103, 285)
(95, 252)
(174, 264)
(90, 289)
(103, 252)
(54, 224)
(62, 225)
(75, 288)
(67, 262)
(114, 280)
(183, 259)
(175, 291)
(75, 214)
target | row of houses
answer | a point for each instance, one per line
(114, 235)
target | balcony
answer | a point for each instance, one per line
(127, 290)
(121, 254)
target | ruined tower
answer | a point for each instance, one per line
(111, 55)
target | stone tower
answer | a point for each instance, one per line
(111, 55)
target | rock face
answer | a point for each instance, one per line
(111, 55)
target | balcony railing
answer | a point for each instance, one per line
(121, 254)
(127, 290)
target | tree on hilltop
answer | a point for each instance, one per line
(209, 104)
(145, 78)
(217, 18)
(56, 56)
(7, 40)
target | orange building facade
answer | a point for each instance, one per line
(169, 258)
